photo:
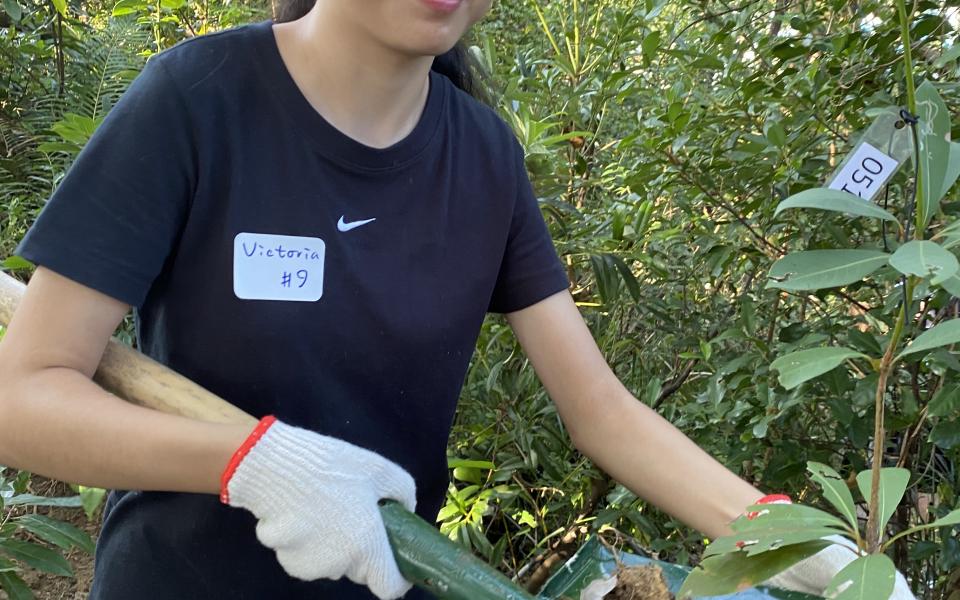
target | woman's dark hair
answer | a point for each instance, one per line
(461, 68)
(456, 64)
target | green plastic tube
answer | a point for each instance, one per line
(430, 561)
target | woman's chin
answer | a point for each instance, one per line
(433, 43)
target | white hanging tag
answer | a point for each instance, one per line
(864, 172)
(877, 156)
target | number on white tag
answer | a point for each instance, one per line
(278, 267)
(865, 172)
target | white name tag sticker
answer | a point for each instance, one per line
(278, 267)
(865, 172)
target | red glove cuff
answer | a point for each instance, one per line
(775, 499)
(770, 499)
(241, 453)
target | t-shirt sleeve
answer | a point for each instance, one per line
(530, 270)
(112, 222)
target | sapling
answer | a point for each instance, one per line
(914, 267)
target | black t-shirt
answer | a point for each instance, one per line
(293, 271)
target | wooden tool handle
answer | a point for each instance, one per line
(139, 379)
(424, 555)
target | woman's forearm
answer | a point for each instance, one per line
(57, 422)
(626, 438)
(652, 458)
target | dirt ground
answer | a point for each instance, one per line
(53, 587)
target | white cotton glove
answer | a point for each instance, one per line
(814, 574)
(316, 499)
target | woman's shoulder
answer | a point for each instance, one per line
(217, 56)
(479, 122)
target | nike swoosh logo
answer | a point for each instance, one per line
(344, 226)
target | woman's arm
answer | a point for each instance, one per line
(302, 487)
(55, 421)
(619, 433)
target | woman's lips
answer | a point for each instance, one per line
(444, 6)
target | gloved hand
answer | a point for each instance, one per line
(812, 575)
(316, 501)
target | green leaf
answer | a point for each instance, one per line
(790, 49)
(951, 518)
(607, 277)
(91, 498)
(729, 573)
(865, 342)
(467, 474)
(946, 434)
(952, 285)
(934, 129)
(7, 566)
(127, 7)
(950, 55)
(924, 258)
(629, 279)
(553, 140)
(945, 402)
(773, 526)
(36, 556)
(31, 500)
(866, 578)
(834, 200)
(953, 169)
(51, 147)
(835, 490)
(56, 532)
(15, 587)
(768, 514)
(61, 6)
(893, 483)
(763, 540)
(797, 367)
(818, 269)
(14, 263)
(76, 128)
(950, 234)
(932, 110)
(707, 62)
(650, 44)
(943, 334)
(775, 134)
(13, 9)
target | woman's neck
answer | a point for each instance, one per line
(369, 92)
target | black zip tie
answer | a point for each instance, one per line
(909, 117)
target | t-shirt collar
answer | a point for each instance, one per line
(329, 140)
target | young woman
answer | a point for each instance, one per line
(311, 222)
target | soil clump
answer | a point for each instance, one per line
(640, 583)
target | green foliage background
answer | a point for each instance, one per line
(660, 138)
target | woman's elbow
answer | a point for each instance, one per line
(607, 417)
(12, 382)
(8, 385)
(588, 419)
(588, 434)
